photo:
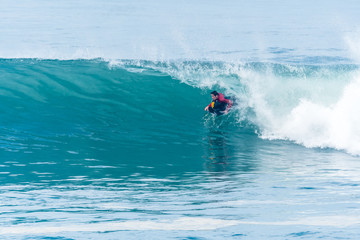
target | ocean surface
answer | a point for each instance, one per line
(103, 133)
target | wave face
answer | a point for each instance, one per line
(131, 104)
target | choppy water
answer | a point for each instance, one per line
(103, 139)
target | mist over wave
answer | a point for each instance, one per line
(166, 30)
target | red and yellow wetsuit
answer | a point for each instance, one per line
(220, 104)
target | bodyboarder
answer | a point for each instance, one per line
(219, 105)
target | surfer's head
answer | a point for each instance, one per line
(214, 95)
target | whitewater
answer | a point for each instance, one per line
(103, 133)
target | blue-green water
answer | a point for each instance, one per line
(97, 150)
(103, 133)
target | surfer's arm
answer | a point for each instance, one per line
(223, 99)
(228, 101)
(229, 104)
(207, 107)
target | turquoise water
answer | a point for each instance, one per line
(104, 134)
(93, 150)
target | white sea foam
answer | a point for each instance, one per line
(318, 125)
(180, 224)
